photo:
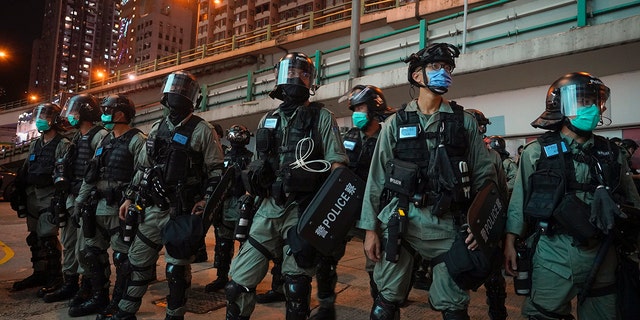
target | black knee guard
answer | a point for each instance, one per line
(179, 280)
(123, 274)
(326, 278)
(384, 310)
(52, 248)
(297, 289)
(233, 291)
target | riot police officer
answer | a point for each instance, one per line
(179, 167)
(81, 112)
(433, 141)
(569, 184)
(34, 184)
(236, 159)
(510, 167)
(286, 182)
(109, 173)
(369, 109)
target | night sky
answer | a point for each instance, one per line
(20, 24)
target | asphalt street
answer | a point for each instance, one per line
(353, 301)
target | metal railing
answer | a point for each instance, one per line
(510, 22)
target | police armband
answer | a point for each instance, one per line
(401, 177)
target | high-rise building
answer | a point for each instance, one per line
(77, 45)
(153, 29)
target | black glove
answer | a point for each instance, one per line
(604, 210)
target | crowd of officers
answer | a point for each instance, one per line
(567, 226)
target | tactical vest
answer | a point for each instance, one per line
(451, 133)
(42, 162)
(240, 157)
(272, 142)
(359, 152)
(173, 153)
(114, 158)
(602, 152)
(83, 153)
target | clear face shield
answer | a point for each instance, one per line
(577, 100)
(43, 113)
(71, 112)
(183, 85)
(295, 72)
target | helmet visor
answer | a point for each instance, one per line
(43, 112)
(576, 96)
(295, 72)
(71, 109)
(183, 85)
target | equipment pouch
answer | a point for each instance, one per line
(401, 177)
(92, 172)
(264, 140)
(469, 269)
(442, 205)
(572, 214)
(258, 177)
(547, 189)
(302, 251)
(182, 235)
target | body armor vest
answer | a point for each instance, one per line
(173, 153)
(83, 153)
(42, 162)
(271, 143)
(359, 152)
(602, 153)
(240, 157)
(114, 158)
(451, 133)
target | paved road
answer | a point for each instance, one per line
(353, 302)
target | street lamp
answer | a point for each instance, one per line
(33, 97)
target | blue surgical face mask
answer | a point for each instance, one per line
(42, 125)
(72, 120)
(587, 118)
(440, 79)
(107, 120)
(360, 119)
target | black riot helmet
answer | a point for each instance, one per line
(629, 144)
(47, 116)
(569, 93)
(481, 119)
(295, 77)
(373, 97)
(79, 108)
(436, 52)
(118, 102)
(238, 134)
(184, 87)
(498, 144)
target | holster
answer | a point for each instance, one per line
(302, 251)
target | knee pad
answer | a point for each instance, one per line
(223, 253)
(179, 280)
(297, 289)
(232, 291)
(455, 315)
(120, 259)
(384, 310)
(93, 258)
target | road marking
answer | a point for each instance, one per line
(8, 253)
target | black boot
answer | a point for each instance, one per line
(121, 262)
(95, 304)
(66, 291)
(455, 315)
(168, 317)
(39, 276)
(83, 294)
(37, 279)
(270, 296)
(223, 252)
(325, 313)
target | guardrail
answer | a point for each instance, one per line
(490, 25)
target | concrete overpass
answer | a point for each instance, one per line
(513, 50)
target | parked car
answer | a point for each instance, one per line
(6, 179)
